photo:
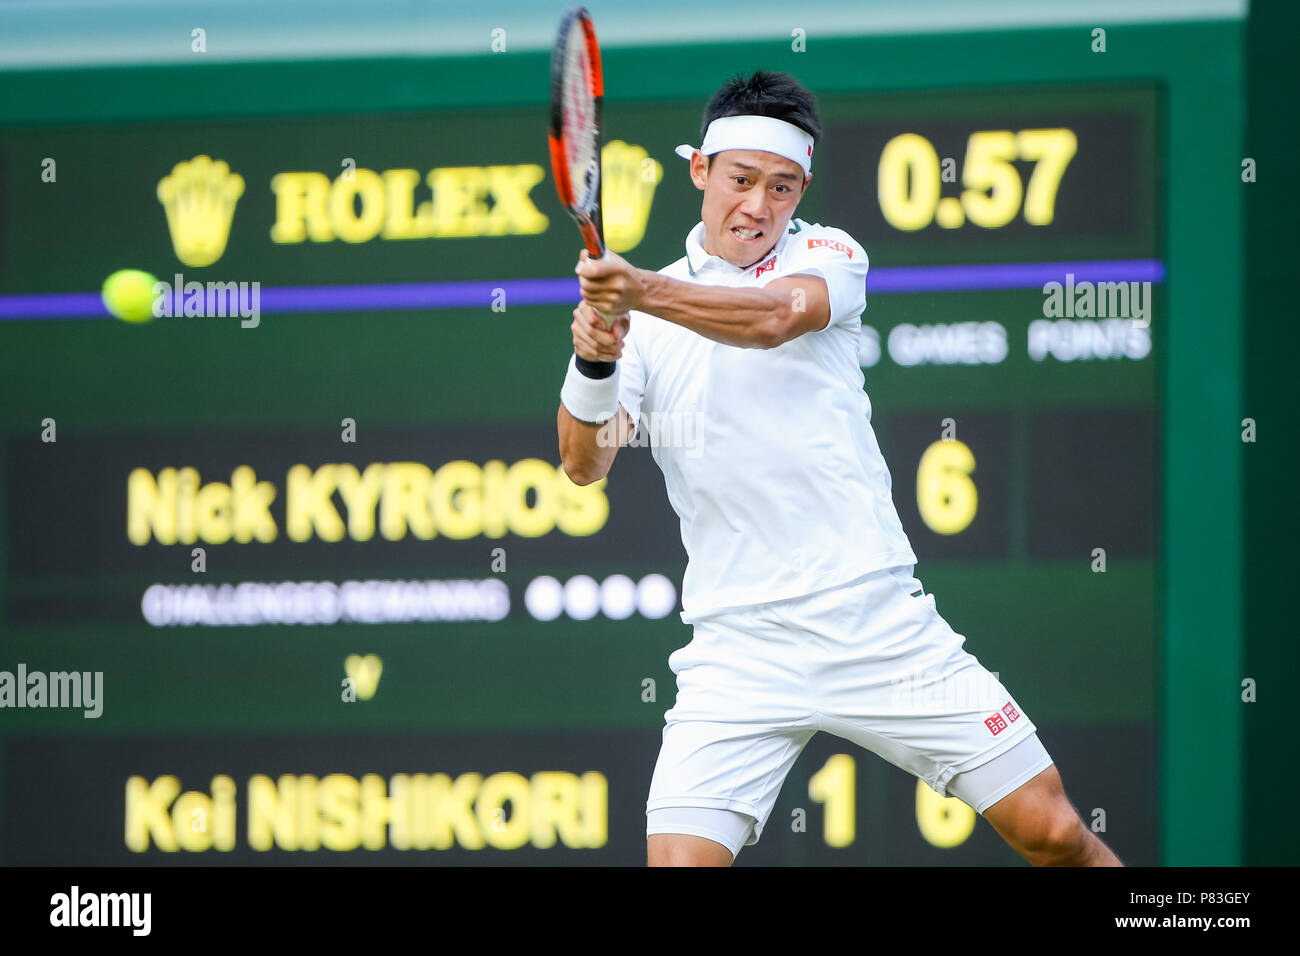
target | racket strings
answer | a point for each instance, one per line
(579, 118)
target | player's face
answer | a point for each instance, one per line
(749, 197)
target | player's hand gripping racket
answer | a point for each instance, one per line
(577, 90)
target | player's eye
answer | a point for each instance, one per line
(739, 179)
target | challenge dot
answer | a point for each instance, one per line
(544, 598)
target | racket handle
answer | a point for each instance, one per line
(595, 249)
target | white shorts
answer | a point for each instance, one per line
(871, 662)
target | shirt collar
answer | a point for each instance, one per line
(697, 258)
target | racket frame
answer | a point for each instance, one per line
(589, 221)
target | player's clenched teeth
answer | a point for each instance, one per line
(746, 235)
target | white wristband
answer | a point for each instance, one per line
(591, 400)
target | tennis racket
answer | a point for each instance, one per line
(577, 92)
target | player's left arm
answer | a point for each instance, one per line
(762, 317)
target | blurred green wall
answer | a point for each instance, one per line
(1272, 655)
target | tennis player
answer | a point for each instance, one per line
(799, 584)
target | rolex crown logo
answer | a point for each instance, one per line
(626, 192)
(199, 196)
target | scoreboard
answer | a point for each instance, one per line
(291, 573)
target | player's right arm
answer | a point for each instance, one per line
(587, 449)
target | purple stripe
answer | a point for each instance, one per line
(1018, 275)
(386, 297)
(418, 295)
(53, 305)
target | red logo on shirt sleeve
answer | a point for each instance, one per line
(767, 266)
(1012, 714)
(830, 244)
(995, 724)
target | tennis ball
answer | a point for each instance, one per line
(128, 294)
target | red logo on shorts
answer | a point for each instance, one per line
(1012, 714)
(830, 244)
(767, 266)
(995, 724)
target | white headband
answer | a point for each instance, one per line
(755, 132)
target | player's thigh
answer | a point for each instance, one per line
(1019, 777)
(719, 780)
(1034, 814)
(695, 836)
(942, 743)
(927, 705)
(678, 849)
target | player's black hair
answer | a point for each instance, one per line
(765, 93)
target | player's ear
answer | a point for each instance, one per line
(807, 181)
(699, 170)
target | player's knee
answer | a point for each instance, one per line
(1059, 837)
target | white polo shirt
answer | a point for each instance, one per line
(768, 454)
